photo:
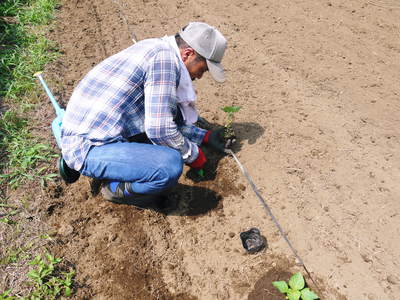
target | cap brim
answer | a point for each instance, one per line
(216, 70)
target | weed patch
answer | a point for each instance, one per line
(22, 152)
(48, 280)
(24, 50)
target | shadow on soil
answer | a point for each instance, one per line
(247, 131)
(183, 200)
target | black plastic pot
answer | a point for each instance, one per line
(253, 241)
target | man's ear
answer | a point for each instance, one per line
(186, 53)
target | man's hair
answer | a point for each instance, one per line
(183, 45)
(180, 42)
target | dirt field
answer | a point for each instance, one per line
(319, 133)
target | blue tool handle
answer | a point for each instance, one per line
(56, 128)
(57, 122)
(58, 109)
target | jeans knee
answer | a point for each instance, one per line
(174, 166)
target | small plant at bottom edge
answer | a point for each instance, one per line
(49, 283)
(295, 290)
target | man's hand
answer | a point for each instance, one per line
(203, 123)
(199, 162)
(215, 138)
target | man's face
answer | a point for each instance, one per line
(195, 64)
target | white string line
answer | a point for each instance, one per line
(269, 211)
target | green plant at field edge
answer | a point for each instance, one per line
(23, 50)
(48, 281)
(22, 150)
(295, 289)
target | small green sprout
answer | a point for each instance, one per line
(295, 290)
(230, 111)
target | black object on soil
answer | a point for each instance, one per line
(253, 241)
(67, 174)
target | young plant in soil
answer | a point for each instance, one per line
(229, 133)
(49, 282)
(296, 289)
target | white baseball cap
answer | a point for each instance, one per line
(209, 43)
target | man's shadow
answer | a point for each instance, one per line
(188, 200)
(247, 131)
(181, 200)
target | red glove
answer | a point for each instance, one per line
(215, 139)
(206, 137)
(199, 162)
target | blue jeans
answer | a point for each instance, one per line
(150, 168)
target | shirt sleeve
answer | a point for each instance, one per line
(160, 104)
(193, 133)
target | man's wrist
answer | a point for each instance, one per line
(206, 137)
(199, 162)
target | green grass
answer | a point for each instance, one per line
(24, 50)
(23, 152)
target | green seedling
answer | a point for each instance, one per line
(295, 288)
(49, 282)
(230, 111)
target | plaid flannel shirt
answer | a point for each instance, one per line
(131, 92)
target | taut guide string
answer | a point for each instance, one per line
(268, 209)
(245, 173)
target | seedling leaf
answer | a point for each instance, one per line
(67, 291)
(293, 294)
(281, 286)
(231, 109)
(296, 282)
(34, 275)
(307, 294)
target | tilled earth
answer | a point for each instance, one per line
(318, 132)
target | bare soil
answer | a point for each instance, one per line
(318, 132)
